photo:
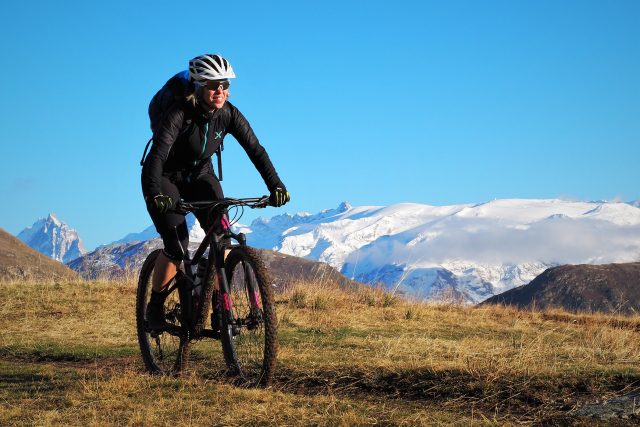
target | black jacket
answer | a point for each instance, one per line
(179, 144)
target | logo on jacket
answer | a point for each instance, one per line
(218, 135)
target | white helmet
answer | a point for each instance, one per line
(209, 67)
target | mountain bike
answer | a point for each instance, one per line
(230, 280)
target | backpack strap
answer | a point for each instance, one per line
(219, 156)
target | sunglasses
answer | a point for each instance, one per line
(215, 84)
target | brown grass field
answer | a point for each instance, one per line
(69, 356)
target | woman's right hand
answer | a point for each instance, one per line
(161, 203)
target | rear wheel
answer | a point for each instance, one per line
(164, 352)
(247, 319)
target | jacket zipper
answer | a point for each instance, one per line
(204, 144)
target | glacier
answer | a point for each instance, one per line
(465, 252)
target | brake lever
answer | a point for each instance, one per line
(263, 203)
(182, 208)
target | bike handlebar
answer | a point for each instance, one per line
(183, 207)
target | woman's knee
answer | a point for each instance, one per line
(176, 241)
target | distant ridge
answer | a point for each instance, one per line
(288, 269)
(18, 262)
(122, 259)
(115, 261)
(607, 288)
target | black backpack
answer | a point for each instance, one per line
(173, 90)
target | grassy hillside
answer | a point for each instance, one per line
(69, 356)
(19, 262)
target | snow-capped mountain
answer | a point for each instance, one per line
(53, 238)
(466, 252)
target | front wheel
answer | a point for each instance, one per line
(164, 352)
(247, 318)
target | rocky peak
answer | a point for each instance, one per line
(53, 238)
(53, 219)
(344, 206)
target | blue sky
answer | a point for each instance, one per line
(369, 102)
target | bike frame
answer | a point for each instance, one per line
(217, 243)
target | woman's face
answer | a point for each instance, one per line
(214, 95)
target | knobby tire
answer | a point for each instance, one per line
(167, 353)
(250, 351)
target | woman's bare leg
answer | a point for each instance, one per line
(165, 269)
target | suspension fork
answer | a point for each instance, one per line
(224, 294)
(254, 292)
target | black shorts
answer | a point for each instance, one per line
(172, 227)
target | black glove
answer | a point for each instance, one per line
(279, 196)
(161, 203)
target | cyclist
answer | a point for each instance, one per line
(179, 164)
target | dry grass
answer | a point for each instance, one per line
(68, 356)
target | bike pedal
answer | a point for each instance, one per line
(209, 333)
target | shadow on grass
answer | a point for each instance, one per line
(531, 398)
(26, 382)
(44, 385)
(534, 397)
(54, 352)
